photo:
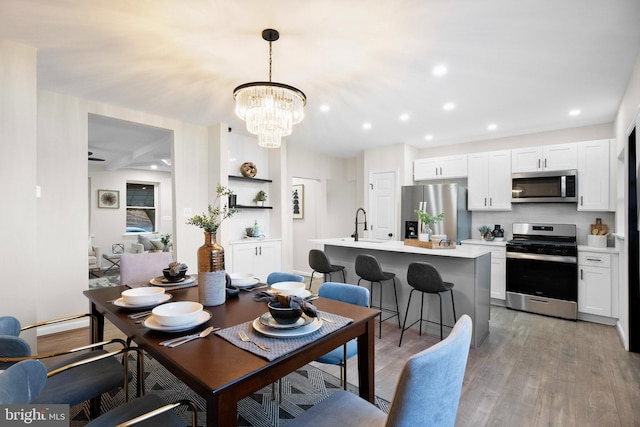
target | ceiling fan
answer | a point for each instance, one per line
(95, 159)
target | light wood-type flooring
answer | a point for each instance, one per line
(531, 371)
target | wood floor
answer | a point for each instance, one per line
(531, 371)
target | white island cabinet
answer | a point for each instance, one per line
(259, 257)
(466, 266)
(498, 268)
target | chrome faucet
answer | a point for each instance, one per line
(355, 234)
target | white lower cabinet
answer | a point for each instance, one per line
(257, 257)
(594, 283)
(498, 267)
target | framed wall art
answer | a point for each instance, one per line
(109, 199)
(297, 201)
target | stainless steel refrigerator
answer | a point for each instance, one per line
(450, 199)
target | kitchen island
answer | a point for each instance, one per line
(467, 267)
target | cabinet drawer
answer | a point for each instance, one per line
(498, 253)
(594, 259)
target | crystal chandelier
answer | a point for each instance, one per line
(270, 109)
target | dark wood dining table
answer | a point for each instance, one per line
(222, 373)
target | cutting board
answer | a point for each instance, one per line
(599, 228)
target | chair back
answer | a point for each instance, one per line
(136, 269)
(9, 325)
(425, 277)
(368, 268)
(351, 294)
(429, 388)
(279, 276)
(22, 382)
(318, 261)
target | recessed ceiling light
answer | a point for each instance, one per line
(439, 70)
(154, 166)
(366, 126)
(428, 137)
(404, 117)
(324, 108)
(449, 106)
(492, 126)
(575, 112)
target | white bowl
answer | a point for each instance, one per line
(177, 313)
(290, 288)
(241, 279)
(143, 295)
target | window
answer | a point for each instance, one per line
(141, 208)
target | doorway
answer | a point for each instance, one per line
(633, 253)
(383, 205)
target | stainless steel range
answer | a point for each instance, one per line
(542, 269)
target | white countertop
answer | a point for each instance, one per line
(461, 251)
(594, 249)
(253, 240)
(502, 243)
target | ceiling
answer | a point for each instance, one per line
(521, 65)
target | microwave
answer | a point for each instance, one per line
(545, 187)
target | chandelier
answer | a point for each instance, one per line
(270, 109)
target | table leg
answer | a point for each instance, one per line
(97, 335)
(221, 411)
(366, 362)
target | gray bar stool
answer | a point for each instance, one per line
(368, 268)
(425, 278)
(320, 263)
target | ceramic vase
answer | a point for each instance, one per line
(211, 274)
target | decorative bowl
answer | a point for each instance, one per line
(284, 315)
(290, 288)
(177, 313)
(241, 279)
(142, 296)
(169, 277)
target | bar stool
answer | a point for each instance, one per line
(368, 268)
(425, 278)
(319, 263)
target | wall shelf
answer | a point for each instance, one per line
(244, 178)
(252, 207)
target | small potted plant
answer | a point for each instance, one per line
(260, 198)
(166, 241)
(426, 219)
(485, 232)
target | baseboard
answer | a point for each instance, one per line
(622, 335)
(610, 321)
(63, 326)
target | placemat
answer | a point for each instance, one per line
(280, 346)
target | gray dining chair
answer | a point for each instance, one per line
(427, 394)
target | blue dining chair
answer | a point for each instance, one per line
(351, 294)
(23, 383)
(280, 276)
(95, 370)
(427, 394)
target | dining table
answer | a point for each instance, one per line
(222, 371)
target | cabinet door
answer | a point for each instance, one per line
(453, 167)
(426, 169)
(526, 159)
(560, 157)
(594, 291)
(244, 258)
(593, 176)
(499, 181)
(270, 256)
(498, 277)
(478, 183)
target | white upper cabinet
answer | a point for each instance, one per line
(440, 167)
(547, 158)
(594, 172)
(489, 184)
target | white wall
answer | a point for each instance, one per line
(107, 226)
(18, 220)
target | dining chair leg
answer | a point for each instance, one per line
(343, 367)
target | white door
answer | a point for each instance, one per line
(383, 206)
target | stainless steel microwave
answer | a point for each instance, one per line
(545, 187)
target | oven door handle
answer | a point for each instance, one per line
(543, 257)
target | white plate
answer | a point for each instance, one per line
(267, 320)
(162, 281)
(251, 284)
(152, 323)
(120, 302)
(287, 333)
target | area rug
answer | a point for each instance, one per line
(301, 390)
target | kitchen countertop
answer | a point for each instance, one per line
(603, 250)
(502, 243)
(459, 251)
